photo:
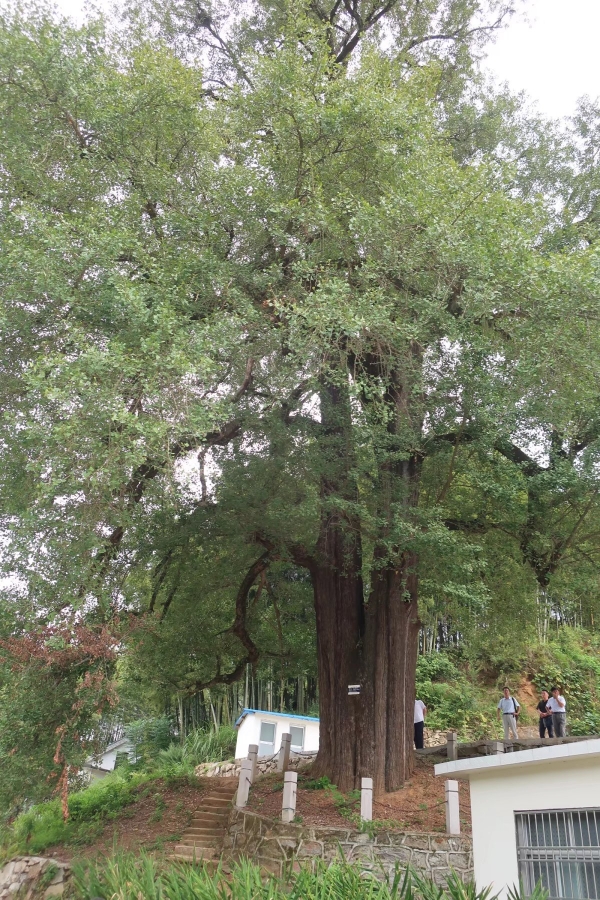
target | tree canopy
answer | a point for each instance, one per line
(298, 345)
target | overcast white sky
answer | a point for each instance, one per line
(554, 56)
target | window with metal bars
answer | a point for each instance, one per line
(561, 849)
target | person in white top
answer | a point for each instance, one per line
(420, 713)
(509, 708)
(558, 707)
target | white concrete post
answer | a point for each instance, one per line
(452, 807)
(253, 756)
(290, 783)
(496, 747)
(283, 760)
(241, 798)
(366, 799)
(452, 745)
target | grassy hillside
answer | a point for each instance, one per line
(461, 693)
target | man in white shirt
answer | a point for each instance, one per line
(508, 707)
(558, 707)
(420, 713)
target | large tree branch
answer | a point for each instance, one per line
(133, 490)
(239, 628)
(526, 463)
(503, 446)
(296, 552)
(160, 573)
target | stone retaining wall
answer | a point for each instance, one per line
(23, 874)
(232, 769)
(273, 845)
(433, 738)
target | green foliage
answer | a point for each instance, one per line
(47, 876)
(101, 800)
(317, 784)
(52, 684)
(451, 699)
(129, 877)
(189, 282)
(43, 825)
(149, 736)
(571, 660)
(345, 803)
(200, 746)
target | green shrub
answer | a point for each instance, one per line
(130, 877)
(200, 746)
(450, 698)
(436, 667)
(149, 736)
(43, 826)
(100, 800)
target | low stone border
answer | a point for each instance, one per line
(433, 738)
(232, 769)
(274, 845)
(24, 873)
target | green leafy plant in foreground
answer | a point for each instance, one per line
(130, 877)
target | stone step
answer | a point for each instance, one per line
(204, 830)
(216, 833)
(216, 801)
(211, 815)
(188, 854)
(193, 840)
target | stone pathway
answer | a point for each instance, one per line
(203, 838)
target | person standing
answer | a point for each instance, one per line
(558, 707)
(508, 707)
(420, 713)
(545, 716)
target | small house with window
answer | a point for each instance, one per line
(104, 763)
(256, 726)
(536, 817)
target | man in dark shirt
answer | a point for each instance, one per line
(545, 716)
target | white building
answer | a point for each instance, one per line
(99, 766)
(255, 726)
(536, 817)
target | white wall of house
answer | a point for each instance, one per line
(98, 767)
(265, 729)
(562, 777)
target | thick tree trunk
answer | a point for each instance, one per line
(338, 595)
(389, 663)
(338, 590)
(375, 646)
(372, 644)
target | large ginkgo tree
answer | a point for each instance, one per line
(253, 291)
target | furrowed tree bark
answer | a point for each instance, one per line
(337, 587)
(336, 572)
(388, 680)
(371, 642)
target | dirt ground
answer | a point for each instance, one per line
(162, 811)
(156, 819)
(418, 806)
